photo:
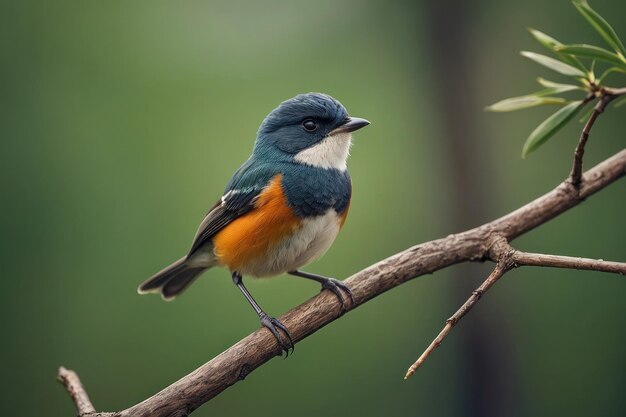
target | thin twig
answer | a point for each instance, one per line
(555, 261)
(74, 387)
(577, 166)
(503, 265)
(615, 91)
(234, 364)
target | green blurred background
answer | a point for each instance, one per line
(122, 122)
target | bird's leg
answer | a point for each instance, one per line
(271, 323)
(331, 284)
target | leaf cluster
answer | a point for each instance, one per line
(577, 62)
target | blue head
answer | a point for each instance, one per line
(306, 128)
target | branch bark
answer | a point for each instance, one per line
(75, 389)
(555, 261)
(234, 364)
(577, 166)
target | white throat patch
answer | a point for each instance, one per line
(330, 152)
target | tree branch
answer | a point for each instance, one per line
(606, 96)
(75, 388)
(555, 261)
(234, 364)
(615, 91)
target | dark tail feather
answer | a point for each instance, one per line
(172, 280)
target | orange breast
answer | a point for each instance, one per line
(344, 215)
(253, 234)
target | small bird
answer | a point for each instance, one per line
(281, 209)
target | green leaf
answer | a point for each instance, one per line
(608, 71)
(546, 41)
(594, 52)
(553, 64)
(558, 86)
(601, 26)
(551, 44)
(550, 126)
(523, 102)
(563, 88)
(592, 72)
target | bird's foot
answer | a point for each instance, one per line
(273, 325)
(338, 288)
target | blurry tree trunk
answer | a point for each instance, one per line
(469, 163)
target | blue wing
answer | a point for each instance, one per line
(238, 199)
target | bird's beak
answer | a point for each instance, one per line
(350, 125)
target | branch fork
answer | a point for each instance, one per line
(507, 258)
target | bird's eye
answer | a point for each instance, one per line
(309, 125)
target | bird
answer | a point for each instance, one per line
(281, 210)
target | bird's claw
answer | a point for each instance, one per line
(337, 287)
(272, 324)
